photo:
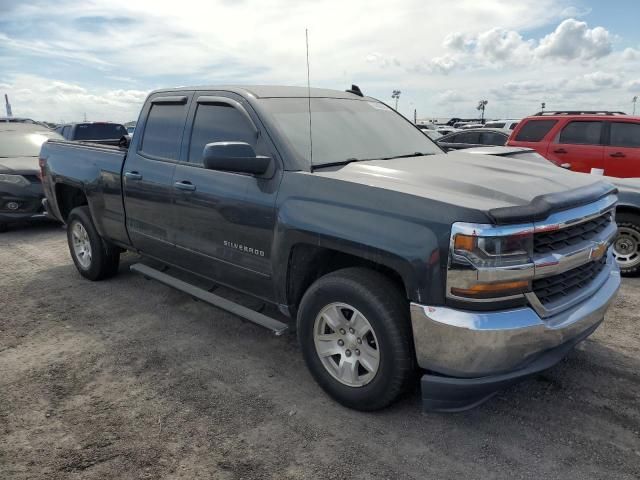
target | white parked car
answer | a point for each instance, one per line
(509, 123)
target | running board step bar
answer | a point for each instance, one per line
(272, 324)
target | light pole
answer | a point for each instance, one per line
(396, 96)
(542, 105)
(481, 106)
(634, 100)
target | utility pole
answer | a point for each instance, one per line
(415, 116)
(396, 96)
(482, 104)
(8, 106)
(634, 101)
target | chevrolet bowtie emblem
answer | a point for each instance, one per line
(598, 251)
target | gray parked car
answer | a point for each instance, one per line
(626, 246)
(20, 186)
(475, 137)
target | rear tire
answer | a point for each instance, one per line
(94, 258)
(626, 245)
(369, 364)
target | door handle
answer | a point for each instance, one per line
(184, 185)
(617, 155)
(133, 175)
(560, 150)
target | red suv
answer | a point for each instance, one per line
(582, 141)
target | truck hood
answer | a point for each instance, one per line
(19, 165)
(479, 182)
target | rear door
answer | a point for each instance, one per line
(622, 152)
(225, 219)
(148, 174)
(579, 146)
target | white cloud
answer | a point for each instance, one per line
(631, 54)
(575, 40)
(501, 46)
(43, 99)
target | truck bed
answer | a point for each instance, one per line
(95, 168)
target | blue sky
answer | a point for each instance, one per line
(61, 60)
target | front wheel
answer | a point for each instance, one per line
(626, 246)
(354, 330)
(93, 257)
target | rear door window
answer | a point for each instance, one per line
(581, 133)
(493, 138)
(163, 131)
(467, 137)
(535, 130)
(625, 135)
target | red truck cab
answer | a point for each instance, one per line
(582, 141)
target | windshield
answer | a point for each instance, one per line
(21, 144)
(346, 129)
(99, 131)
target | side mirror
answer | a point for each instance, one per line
(237, 157)
(124, 141)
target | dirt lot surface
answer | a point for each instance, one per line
(128, 379)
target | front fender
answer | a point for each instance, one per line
(410, 249)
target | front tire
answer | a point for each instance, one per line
(355, 334)
(626, 246)
(92, 256)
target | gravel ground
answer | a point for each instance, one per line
(128, 379)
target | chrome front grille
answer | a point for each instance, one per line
(546, 242)
(558, 287)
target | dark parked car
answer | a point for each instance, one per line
(626, 246)
(474, 137)
(20, 187)
(96, 132)
(381, 256)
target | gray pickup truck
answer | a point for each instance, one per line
(386, 256)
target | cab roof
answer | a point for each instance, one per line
(269, 91)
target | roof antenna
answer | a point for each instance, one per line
(306, 35)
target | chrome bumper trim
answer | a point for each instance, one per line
(473, 344)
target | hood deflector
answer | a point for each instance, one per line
(544, 205)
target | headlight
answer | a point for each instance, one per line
(14, 179)
(487, 262)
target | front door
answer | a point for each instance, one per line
(148, 175)
(578, 146)
(226, 220)
(622, 154)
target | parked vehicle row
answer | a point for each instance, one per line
(386, 254)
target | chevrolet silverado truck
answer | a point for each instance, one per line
(385, 255)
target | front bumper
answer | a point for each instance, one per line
(468, 348)
(28, 200)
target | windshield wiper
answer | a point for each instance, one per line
(408, 155)
(341, 162)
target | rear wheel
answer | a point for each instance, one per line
(354, 330)
(94, 258)
(626, 246)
